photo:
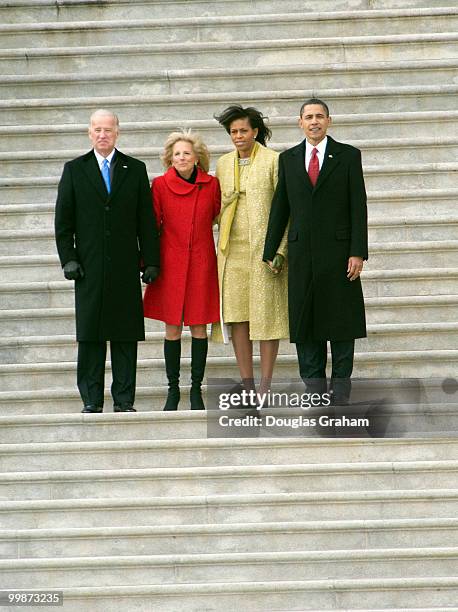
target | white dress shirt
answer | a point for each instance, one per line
(321, 147)
(101, 159)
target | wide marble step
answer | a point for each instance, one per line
(32, 11)
(19, 213)
(278, 51)
(381, 337)
(383, 256)
(228, 509)
(41, 240)
(202, 106)
(382, 152)
(380, 310)
(376, 283)
(225, 79)
(436, 593)
(250, 567)
(432, 363)
(177, 453)
(228, 28)
(241, 537)
(119, 483)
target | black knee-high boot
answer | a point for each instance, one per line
(199, 348)
(172, 354)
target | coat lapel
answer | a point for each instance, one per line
(92, 170)
(298, 156)
(121, 170)
(330, 162)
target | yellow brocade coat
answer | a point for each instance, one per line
(268, 297)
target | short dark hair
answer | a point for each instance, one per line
(256, 120)
(315, 101)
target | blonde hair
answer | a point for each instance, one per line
(198, 145)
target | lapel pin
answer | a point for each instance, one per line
(330, 156)
(124, 166)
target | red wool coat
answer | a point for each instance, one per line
(187, 287)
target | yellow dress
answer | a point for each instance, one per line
(248, 290)
(236, 305)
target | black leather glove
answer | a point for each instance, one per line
(150, 274)
(73, 270)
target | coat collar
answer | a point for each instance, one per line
(330, 162)
(91, 167)
(182, 187)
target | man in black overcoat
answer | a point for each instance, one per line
(321, 194)
(105, 230)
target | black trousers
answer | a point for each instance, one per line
(91, 372)
(312, 356)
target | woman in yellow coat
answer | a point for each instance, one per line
(253, 296)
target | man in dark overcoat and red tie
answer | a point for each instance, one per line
(105, 228)
(321, 194)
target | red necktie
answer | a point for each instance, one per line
(314, 167)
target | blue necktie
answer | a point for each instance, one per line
(106, 174)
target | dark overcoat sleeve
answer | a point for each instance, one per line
(358, 208)
(279, 214)
(64, 221)
(147, 233)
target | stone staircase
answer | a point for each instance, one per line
(143, 512)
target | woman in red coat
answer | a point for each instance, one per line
(186, 201)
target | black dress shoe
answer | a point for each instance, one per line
(339, 400)
(124, 408)
(92, 409)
